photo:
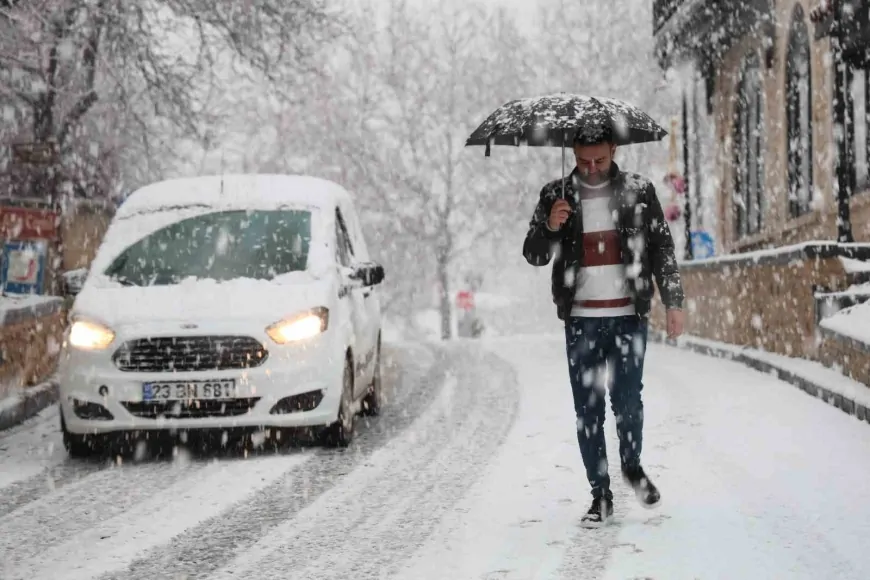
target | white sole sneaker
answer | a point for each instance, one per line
(590, 525)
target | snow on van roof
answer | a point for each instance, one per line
(239, 191)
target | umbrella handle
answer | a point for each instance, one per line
(563, 165)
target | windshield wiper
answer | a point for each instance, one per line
(123, 281)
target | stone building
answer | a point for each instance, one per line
(776, 148)
(767, 85)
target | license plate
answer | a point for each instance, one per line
(190, 390)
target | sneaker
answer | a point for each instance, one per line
(646, 492)
(599, 513)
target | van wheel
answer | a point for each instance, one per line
(81, 446)
(374, 400)
(340, 433)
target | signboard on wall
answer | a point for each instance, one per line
(23, 268)
(703, 245)
(23, 223)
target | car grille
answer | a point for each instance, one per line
(190, 353)
(191, 409)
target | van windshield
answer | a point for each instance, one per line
(218, 246)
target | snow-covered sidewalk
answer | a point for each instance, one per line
(758, 480)
(813, 377)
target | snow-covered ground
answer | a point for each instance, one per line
(472, 472)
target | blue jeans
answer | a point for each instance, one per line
(594, 344)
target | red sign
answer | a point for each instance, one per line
(465, 300)
(21, 223)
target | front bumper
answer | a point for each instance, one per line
(97, 397)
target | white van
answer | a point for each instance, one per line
(221, 302)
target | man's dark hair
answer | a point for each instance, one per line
(593, 135)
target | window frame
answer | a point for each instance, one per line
(799, 139)
(748, 145)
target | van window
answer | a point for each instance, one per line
(220, 246)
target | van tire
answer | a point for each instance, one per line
(81, 446)
(340, 433)
(374, 399)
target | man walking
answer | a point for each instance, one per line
(609, 239)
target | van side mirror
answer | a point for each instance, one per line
(73, 280)
(367, 274)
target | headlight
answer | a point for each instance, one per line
(301, 327)
(90, 335)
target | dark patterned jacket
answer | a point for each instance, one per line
(647, 246)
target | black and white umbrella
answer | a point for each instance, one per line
(554, 120)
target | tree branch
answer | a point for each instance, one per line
(89, 60)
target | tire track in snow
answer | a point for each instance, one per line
(367, 526)
(113, 543)
(49, 481)
(55, 517)
(411, 375)
(34, 463)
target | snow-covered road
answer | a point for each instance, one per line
(472, 472)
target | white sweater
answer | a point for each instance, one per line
(601, 289)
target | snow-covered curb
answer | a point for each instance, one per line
(25, 403)
(813, 378)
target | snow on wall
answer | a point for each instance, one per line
(851, 322)
(759, 255)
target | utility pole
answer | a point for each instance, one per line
(688, 195)
(843, 130)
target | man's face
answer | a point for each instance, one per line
(594, 161)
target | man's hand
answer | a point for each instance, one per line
(675, 323)
(559, 214)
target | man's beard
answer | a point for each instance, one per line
(593, 177)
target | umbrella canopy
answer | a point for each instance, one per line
(554, 120)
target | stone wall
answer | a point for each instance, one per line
(30, 338)
(861, 217)
(849, 356)
(764, 301)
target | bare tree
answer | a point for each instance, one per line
(433, 200)
(607, 50)
(146, 66)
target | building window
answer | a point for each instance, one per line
(748, 143)
(858, 119)
(700, 132)
(798, 92)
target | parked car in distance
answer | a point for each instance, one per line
(237, 301)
